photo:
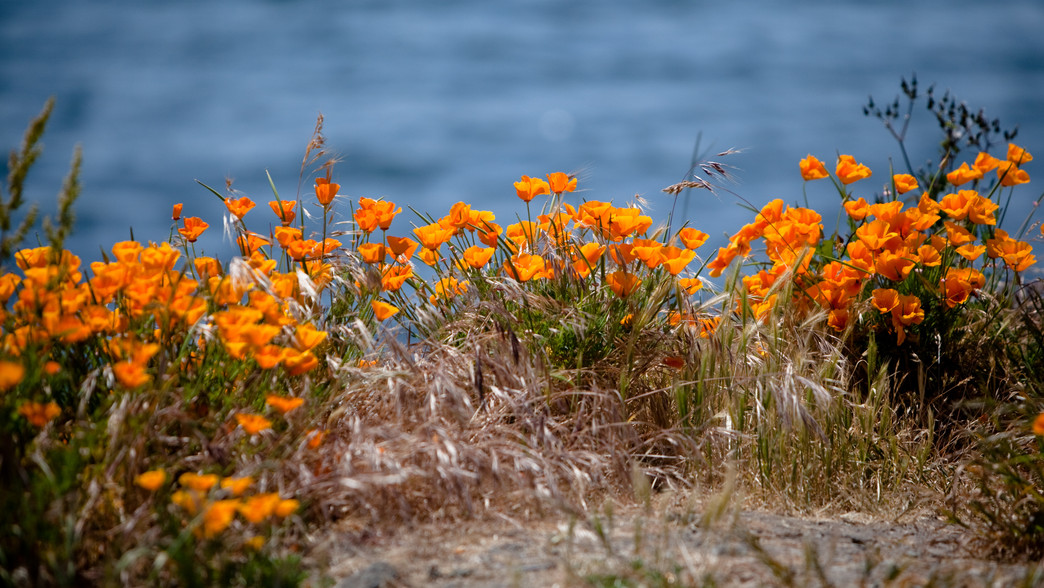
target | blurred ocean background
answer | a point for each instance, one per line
(431, 102)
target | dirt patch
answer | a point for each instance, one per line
(674, 544)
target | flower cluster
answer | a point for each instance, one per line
(903, 255)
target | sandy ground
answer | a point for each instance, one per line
(674, 543)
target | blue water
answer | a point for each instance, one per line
(430, 102)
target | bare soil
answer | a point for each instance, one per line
(675, 542)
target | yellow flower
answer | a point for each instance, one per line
(253, 423)
(151, 480)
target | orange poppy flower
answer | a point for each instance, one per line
(981, 211)
(528, 188)
(692, 238)
(239, 207)
(11, 373)
(848, 170)
(315, 438)
(287, 507)
(198, 482)
(561, 182)
(1011, 175)
(885, 299)
(894, 266)
(959, 283)
(1017, 255)
(39, 414)
(283, 404)
(237, 486)
(269, 356)
(525, 266)
(971, 252)
(194, 227)
(812, 168)
(984, 162)
(325, 191)
(433, 236)
(429, 256)
(478, 257)
(151, 480)
(957, 235)
(447, 288)
(175, 214)
(675, 259)
(904, 183)
(929, 256)
(623, 284)
(690, 285)
(130, 374)
(250, 243)
(648, 250)
(623, 253)
(1018, 155)
(297, 363)
(371, 252)
(590, 253)
(286, 235)
(488, 233)
(307, 337)
(259, 507)
(857, 209)
(284, 209)
(383, 310)
(253, 423)
(218, 516)
(877, 235)
(402, 248)
(1038, 424)
(963, 175)
(394, 276)
(722, 260)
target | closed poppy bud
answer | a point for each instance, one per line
(176, 214)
